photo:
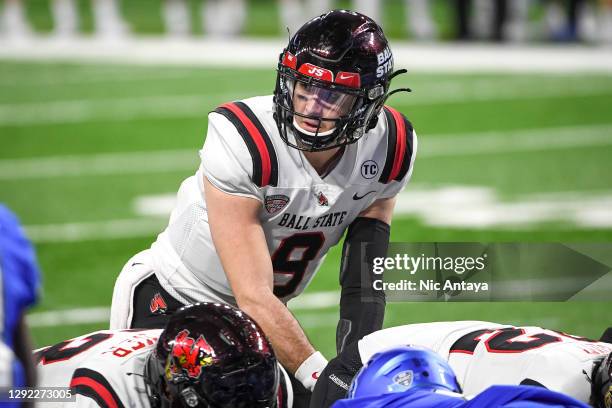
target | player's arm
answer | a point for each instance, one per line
(335, 379)
(241, 244)
(23, 351)
(362, 308)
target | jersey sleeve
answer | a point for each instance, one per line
(226, 161)
(394, 187)
(94, 390)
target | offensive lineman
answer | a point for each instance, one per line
(417, 377)
(483, 354)
(282, 178)
(208, 355)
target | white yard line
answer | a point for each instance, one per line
(430, 146)
(440, 57)
(115, 109)
(440, 206)
(87, 231)
(521, 140)
(475, 207)
(100, 164)
(90, 75)
(480, 208)
(68, 317)
(92, 315)
(197, 105)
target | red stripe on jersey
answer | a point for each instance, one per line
(266, 162)
(98, 388)
(400, 146)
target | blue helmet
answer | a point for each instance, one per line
(401, 369)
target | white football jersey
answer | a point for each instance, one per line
(483, 354)
(99, 366)
(105, 368)
(302, 213)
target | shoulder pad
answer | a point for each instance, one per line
(399, 146)
(92, 384)
(265, 163)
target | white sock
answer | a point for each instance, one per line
(517, 27)
(554, 18)
(371, 8)
(420, 23)
(65, 17)
(605, 24)
(224, 18)
(13, 20)
(482, 16)
(316, 8)
(176, 17)
(108, 20)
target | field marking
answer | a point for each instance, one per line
(159, 161)
(437, 57)
(89, 77)
(196, 105)
(452, 206)
(481, 208)
(92, 315)
(115, 109)
(431, 146)
(475, 207)
(96, 230)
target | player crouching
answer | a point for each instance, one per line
(208, 355)
(416, 377)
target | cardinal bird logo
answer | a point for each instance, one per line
(322, 200)
(158, 305)
(188, 356)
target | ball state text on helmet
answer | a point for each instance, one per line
(385, 62)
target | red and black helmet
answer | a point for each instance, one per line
(212, 355)
(341, 63)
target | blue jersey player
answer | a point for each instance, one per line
(416, 377)
(19, 284)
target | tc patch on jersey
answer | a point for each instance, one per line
(404, 378)
(158, 305)
(275, 203)
(369, 169)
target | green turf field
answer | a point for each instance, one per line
(81, 143)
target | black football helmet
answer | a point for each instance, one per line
(215, 356)
(601, 389)
(337, 68)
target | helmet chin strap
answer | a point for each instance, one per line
(313, 134)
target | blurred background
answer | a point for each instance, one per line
(103, 107)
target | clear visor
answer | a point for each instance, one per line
(313, 103)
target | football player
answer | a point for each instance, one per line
(417, 377)
(19, 286)
(208, 355)
(483, 354)
(282, 178)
